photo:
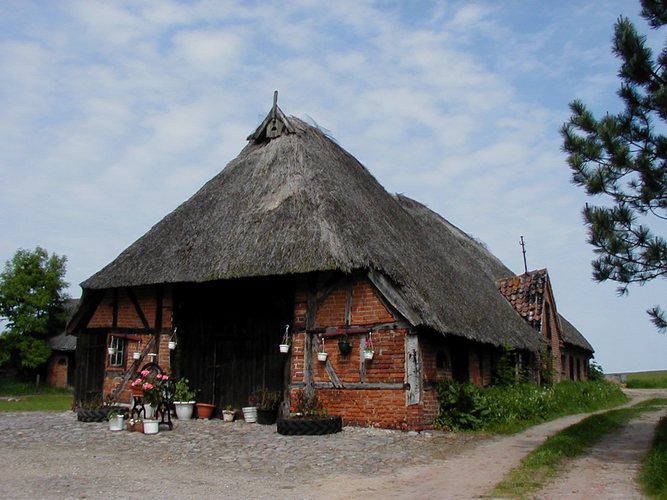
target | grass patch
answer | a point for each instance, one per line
(543, 463)
(653, 476)
(27, 397)
(38, 402)
(647, 380)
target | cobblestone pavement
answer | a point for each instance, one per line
(52, 455)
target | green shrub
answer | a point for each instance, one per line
(461, 406)
(513, 408)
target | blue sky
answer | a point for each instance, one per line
(116, 112)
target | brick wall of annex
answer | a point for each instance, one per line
(378, 406)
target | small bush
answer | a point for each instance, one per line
(461, 406)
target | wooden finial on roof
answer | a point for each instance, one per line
(273, 125)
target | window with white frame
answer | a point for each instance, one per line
(117, 354)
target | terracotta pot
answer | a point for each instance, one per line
(205, 410)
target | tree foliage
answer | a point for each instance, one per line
(32, 305)
(623, 158)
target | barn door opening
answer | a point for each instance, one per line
(229, 332)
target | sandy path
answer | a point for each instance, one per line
(609, 471)
(476, 471)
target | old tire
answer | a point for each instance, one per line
(90, 415)
(309, 426)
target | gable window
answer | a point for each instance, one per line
(117, 359)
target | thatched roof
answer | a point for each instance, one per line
(295, 202)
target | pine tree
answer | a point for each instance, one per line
(623, 158)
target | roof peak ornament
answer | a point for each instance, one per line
(274, 125)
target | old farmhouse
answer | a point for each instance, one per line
(295, 231)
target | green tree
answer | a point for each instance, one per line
(623, 158)
(31, 305)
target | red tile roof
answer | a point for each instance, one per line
(526, 294)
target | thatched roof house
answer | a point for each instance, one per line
(295, 204)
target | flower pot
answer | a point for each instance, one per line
(205, 410)
(368, 355)
(136, 355)
(184, 409)
(284, 348)
(116, 423)
(322, 356)
(172, 345)
(112, 350)
(151, 426)
(345, 347)
(250, 414)
(227, 415)
(135, 426)
(266, 417)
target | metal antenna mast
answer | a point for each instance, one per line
(523, 250)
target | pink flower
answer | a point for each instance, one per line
(147, 386)
(165, 378)
(145, 373)
(137, 382)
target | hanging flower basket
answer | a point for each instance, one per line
(369, 350)
(136, 355)
(112, 350)
(345, 347)
(322, 355)
(172, 345)
(284, 346)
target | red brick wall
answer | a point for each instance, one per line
(378, 406)
(128, 319)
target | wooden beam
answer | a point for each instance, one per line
(388, 290)
(137, 307)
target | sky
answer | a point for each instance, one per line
(115, 112)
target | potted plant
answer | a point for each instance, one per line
(310, 418)
(152, 387)
(205, 410)
(284, 345)
(250, 411)
(322, 353)
(151, 426)
(228, 414)
(267, 405)
(135, 425)
(344, 345)
(115, 419)
(184, 399)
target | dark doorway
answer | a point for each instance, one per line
(229, 332)
(459, 354)
(91, 350)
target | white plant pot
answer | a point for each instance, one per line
(284, 348)
(150, 411)
(116, 423)
(172, 345)
(322, 356)
(227, 416)
(112, 350)
(250, 414)
(184, 409)
(136, 355)
(368, 355)
(151, 426)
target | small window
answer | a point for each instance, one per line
(441, 361)
(118, 357)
